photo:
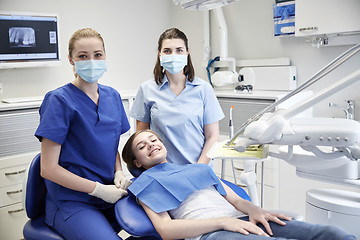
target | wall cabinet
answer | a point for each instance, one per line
(316, 17)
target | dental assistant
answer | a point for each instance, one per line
(178, 106)
(80, 127)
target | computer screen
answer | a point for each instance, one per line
(28, 38)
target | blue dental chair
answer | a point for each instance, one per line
(34, 192)
(133, 219)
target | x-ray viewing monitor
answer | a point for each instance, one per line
(28, 40)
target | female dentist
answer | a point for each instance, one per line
(178, 106)
(80, 127)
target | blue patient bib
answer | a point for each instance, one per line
(165, 186)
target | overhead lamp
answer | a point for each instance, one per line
(202, 4)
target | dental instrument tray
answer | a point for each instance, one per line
(221, 150)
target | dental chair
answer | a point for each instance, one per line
(133, 219)
(34, 192)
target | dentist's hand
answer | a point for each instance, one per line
(121, 181)
(108, 193)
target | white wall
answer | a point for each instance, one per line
(130, 29)
(250, 28)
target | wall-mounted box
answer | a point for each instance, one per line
(284, 18)
(284, 27)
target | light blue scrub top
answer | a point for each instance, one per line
(89, 135)
(179, 120)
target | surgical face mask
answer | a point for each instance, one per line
(90, 70)
(173, 63)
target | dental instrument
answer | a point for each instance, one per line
(231, 125)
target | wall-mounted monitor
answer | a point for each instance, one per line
(29, 40)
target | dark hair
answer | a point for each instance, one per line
(127, 153)
(172, 33)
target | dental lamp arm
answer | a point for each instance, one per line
(324, 71)
(271, 129)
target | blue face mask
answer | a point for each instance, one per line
(173, 63)
(90, 70)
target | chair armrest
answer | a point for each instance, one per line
(133, 219)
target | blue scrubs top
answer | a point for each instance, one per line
(179, 120)
(89, 135)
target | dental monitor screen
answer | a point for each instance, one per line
(28, 40)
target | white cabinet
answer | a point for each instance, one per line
(12, 214)
(17, 147)
(316, 17)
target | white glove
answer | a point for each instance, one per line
(108, 193)
(121, 181)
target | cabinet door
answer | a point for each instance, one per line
(314, 17)
(12, 221)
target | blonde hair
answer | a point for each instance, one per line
(83, 33)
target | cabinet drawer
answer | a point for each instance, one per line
(12, 175)
(10, 195)
(12, 221)
(17, 128)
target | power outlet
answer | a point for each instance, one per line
(1, 88)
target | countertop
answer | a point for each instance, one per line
(125, 94)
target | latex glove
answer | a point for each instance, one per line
(121, 181)
(108, 193)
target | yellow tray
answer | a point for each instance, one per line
(221, 150)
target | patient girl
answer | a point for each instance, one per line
(190, 202)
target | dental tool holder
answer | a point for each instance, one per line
(349, 109)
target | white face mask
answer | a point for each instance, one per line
(90, 70)
(173, 63)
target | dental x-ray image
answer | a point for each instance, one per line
(22, 37)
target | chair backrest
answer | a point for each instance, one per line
(34, 190)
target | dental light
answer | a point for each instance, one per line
(202, 4)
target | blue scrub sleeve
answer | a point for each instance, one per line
(54, 119)
(140, 110)
(212, 109)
